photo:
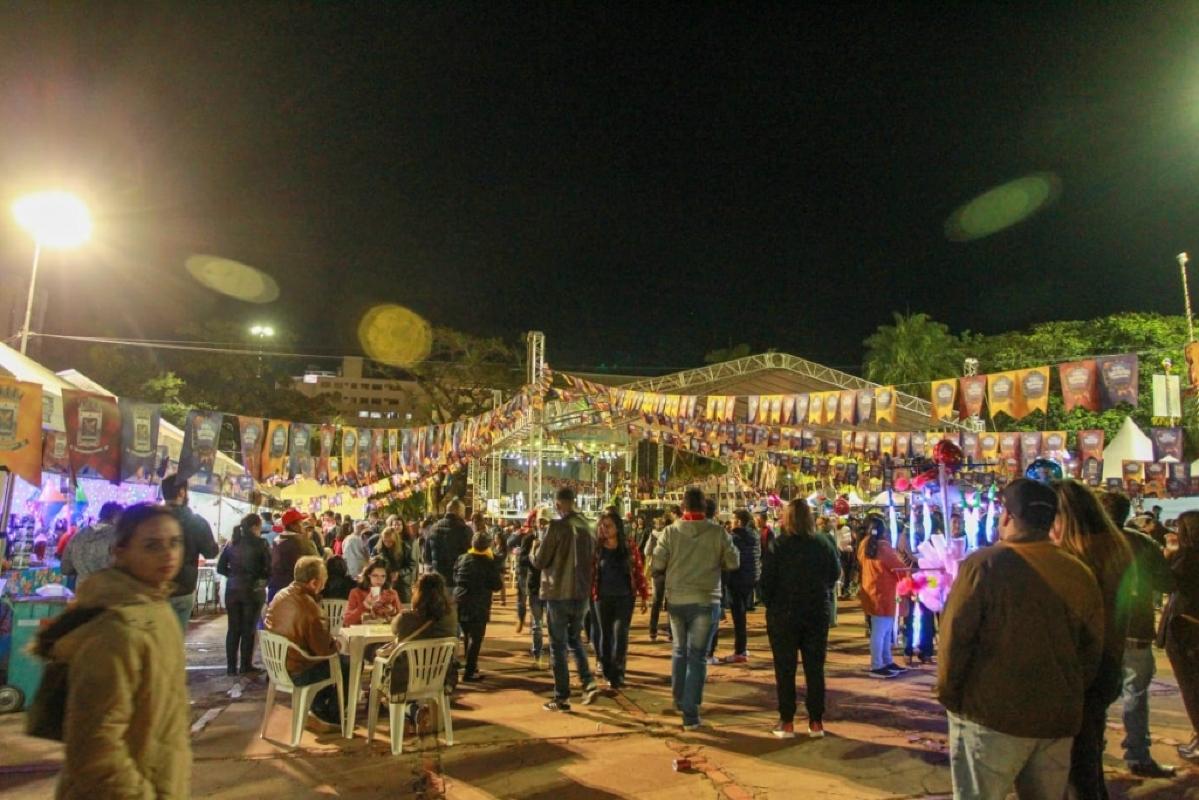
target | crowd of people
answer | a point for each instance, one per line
(1043, 630)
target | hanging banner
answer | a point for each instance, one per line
(944, 398)
(1033, 391)
(55, 457)
(1134, 475)
(752, 404)
(988, 445)
(865, 405)
(848, 407)
(250, 432)
(1053, 444)
(859, 441)
(1167, 443)
(93, 423)
(274, 450)
(970, 447)
(816, 408)
(378, 440)
(325, 461)
(973, 392)
(846, 442)
(1001, 393)
(21, 429)
(918, 443)
(201, 433)
(139, 440)
(903, 444)
(884, 404)
(1009, 445)
(1080, 385)
(1118, 380)
(349, 452)
(300, 462)
(1191, 353)
(1167, 396)
(1090, 445)
(392, 459)
(802, 403)
(1156, 475)
(1030, 445)
(880, 443)
(364, 453)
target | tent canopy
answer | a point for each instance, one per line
(1130, 444)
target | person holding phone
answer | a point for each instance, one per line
(372, 600)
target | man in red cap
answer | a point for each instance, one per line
(290, 547)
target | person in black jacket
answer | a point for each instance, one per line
(197, 541)
(476, 576)
(340, 584)
(739, 584)
(799, 569)
(245, 562)
(532, 583)
(448, 540)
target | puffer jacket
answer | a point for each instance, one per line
(749, 546)
(295, 616)
(693, 553)
(566, 558)
(476, 576)
(247, 566)
(449, 538)
(127, 713)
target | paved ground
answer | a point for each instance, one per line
(887, 738)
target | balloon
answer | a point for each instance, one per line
(948, 454)
(1044, 470)
(902, 484)
(841, 506)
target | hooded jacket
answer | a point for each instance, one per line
(127, 714)
(693, 553)
(749, 546)
(880, 577)
(476, 576)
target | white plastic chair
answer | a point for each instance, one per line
(335, 612)
(274, 655)
(428, 662)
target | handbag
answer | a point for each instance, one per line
(47, 714)
(387, 650)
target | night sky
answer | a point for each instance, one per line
(642, 184)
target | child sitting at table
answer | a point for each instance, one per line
(372, 600)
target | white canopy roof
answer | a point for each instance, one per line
(1130, 444)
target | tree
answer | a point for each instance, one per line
(462, 370)
(912, 352)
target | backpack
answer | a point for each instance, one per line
(48, 711)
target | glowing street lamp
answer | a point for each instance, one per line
(261, 332)
(56, 220)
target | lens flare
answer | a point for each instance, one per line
(392, 334)
(233, 279)
(1002, 207)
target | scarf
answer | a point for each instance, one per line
(475, 552)
(693, 516)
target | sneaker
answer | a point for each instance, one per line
(692, 726)
(895, 667)
(815, 729)
(557, 705)
(1152, 769)
(474, 677)
(713, 661)
(784, 730)
(1190, 751)
(739, 658)
(883, 672)
(590, 692)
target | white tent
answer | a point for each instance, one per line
(1130, 444)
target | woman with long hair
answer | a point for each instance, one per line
(1084, 530)
(373, 599)
(246, 564)
(1180, 623)
(800, 568)
(432, 616)
(127, 719)
(881, 566)
(618, 580)
(395, 551)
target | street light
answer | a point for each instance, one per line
(262, 332)
(55, 220)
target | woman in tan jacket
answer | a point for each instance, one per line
(127, 715)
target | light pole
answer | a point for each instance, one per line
(1186, 296)
(262, 333)
(53, 219)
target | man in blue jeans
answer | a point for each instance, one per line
(565, 559)
(692, 553)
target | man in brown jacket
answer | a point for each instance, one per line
(295, 615)
(1022, 634)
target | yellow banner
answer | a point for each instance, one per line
(21, 429)
(816, 408)
(1034, 390)
(1003, 393)
(884, 404)
(944, 398)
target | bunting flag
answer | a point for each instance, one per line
(846, 441)
(1090, 445)
(325, 462)
(1191, 353)
(139, 440)
(1033, 390)
(917, 444)
(816, 408)
(831, 401)
(881, 443)
(884, 404)
(93, 423)
(393, 450)
(349, 452)
(201, 434)
(274, 450)
(848, 407)
(251, 433)
(1167, 443)
(408, 459)
(1009, 445)
(1080, 385)
(752, 408)
(1002, 393)
(988, 445)
(973, 392)
(1155, 478)
(55, 457)
(859, 441)
(1053, 443)
(1030, 445)
(1118, 380)
(364, 454)
(378, 437)
(970, 447)
(865, 403)
(944, 398)
(802, 404)
(1134, 474)
(299, 449)
(788, 409)
(903, 445)
(21, 429)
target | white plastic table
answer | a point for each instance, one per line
(356, 638)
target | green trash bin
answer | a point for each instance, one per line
(24, 668)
